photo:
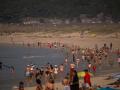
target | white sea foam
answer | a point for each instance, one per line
(25, 57)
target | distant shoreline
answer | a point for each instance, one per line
(70, 39)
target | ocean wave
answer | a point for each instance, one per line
(25, 57)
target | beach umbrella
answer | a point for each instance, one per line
(82, 74)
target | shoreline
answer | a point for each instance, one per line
(70, 39)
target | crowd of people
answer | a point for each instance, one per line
(95, 59)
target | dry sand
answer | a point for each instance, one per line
(89, 40)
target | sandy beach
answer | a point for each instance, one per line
(88, 41)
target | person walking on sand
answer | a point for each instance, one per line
(111, 45)
(74, 83)
(87, 78)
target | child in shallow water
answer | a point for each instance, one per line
(21, 85)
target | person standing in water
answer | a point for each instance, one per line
(87, 78)
(74, 83)
(12, 69)
(39, 85)
(21, 85)
(0, 65)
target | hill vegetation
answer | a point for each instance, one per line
(15, 10)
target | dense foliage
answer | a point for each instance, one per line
(16, 9)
